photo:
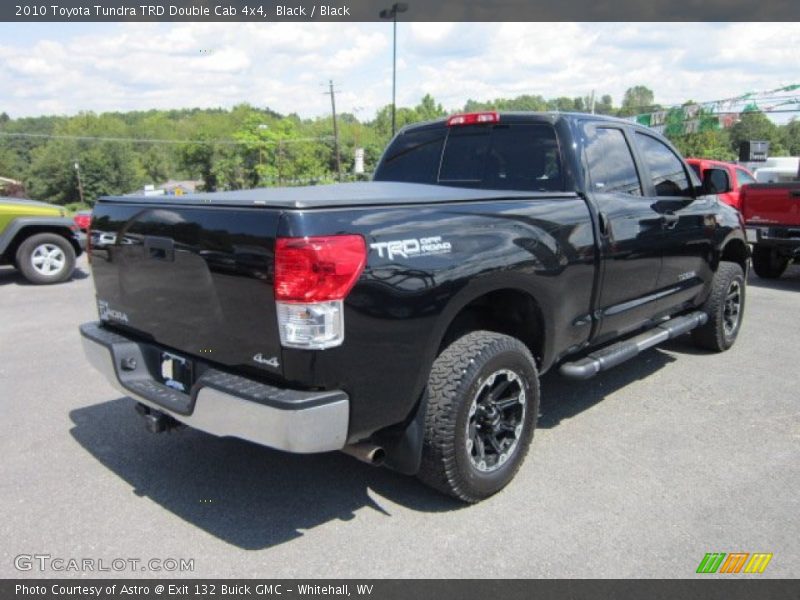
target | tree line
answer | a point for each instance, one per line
(248, 146)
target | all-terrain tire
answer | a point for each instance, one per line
(46, 258)
(767, 264)
(459, 375)
(725, 309)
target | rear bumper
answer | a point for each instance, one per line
(787, 237)
(220, 403)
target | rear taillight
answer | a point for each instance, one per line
(473, 118)
(313, 275)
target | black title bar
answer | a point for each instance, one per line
(418, 10)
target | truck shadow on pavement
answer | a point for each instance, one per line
(563, 398)
(244, 494)
(789, 281)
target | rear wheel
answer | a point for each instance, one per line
(725, 309)
(46, 258)
(767, 263)
(483, 400)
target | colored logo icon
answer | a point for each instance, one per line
(735, 562)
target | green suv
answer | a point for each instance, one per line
(38, 239)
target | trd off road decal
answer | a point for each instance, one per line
(412, 247)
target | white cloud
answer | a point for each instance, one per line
(285, 66)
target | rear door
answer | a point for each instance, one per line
(687, 223)
(630, 231)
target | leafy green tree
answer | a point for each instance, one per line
(11, 164)
(198, 158)
(105, 168)
(637, 99)
(428, 109)
(563, 104)
(280, 153)
(790, 137)
(605, 106)
(712, 144)
(157, 163)
(757, 126)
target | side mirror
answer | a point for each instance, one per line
(715, 181)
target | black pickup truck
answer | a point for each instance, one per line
(407, 320)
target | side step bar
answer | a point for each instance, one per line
(611, 356)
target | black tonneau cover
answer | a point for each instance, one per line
(336, 195)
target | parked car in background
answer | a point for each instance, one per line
(724, 175)
(38, 239)
(83, 219)
(772, 216)
(778, 169)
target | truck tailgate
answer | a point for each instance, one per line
(771, 204)
(195, 279)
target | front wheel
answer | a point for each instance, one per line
(46, 258)
(725, 309)
(482, 404)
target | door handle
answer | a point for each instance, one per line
(795, 193)
(668, 221)
(159, 248)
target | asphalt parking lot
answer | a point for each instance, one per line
(637, 473)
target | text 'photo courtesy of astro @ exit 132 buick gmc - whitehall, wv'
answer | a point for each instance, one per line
(406, 320)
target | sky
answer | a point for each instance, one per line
(66, 68)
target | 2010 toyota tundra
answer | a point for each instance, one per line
(407, 320)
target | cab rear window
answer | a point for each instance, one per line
(499, 156)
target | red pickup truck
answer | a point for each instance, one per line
(726, 176)
(771, 213)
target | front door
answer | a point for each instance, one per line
(688, 222)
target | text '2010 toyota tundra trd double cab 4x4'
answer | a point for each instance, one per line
(407, 320)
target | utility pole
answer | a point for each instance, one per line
(335, 132)
(591, 102)
(80, 183)
(280, 162)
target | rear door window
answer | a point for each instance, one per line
(611, 165)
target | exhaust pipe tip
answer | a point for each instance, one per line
(378, 457)
(366, 452)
